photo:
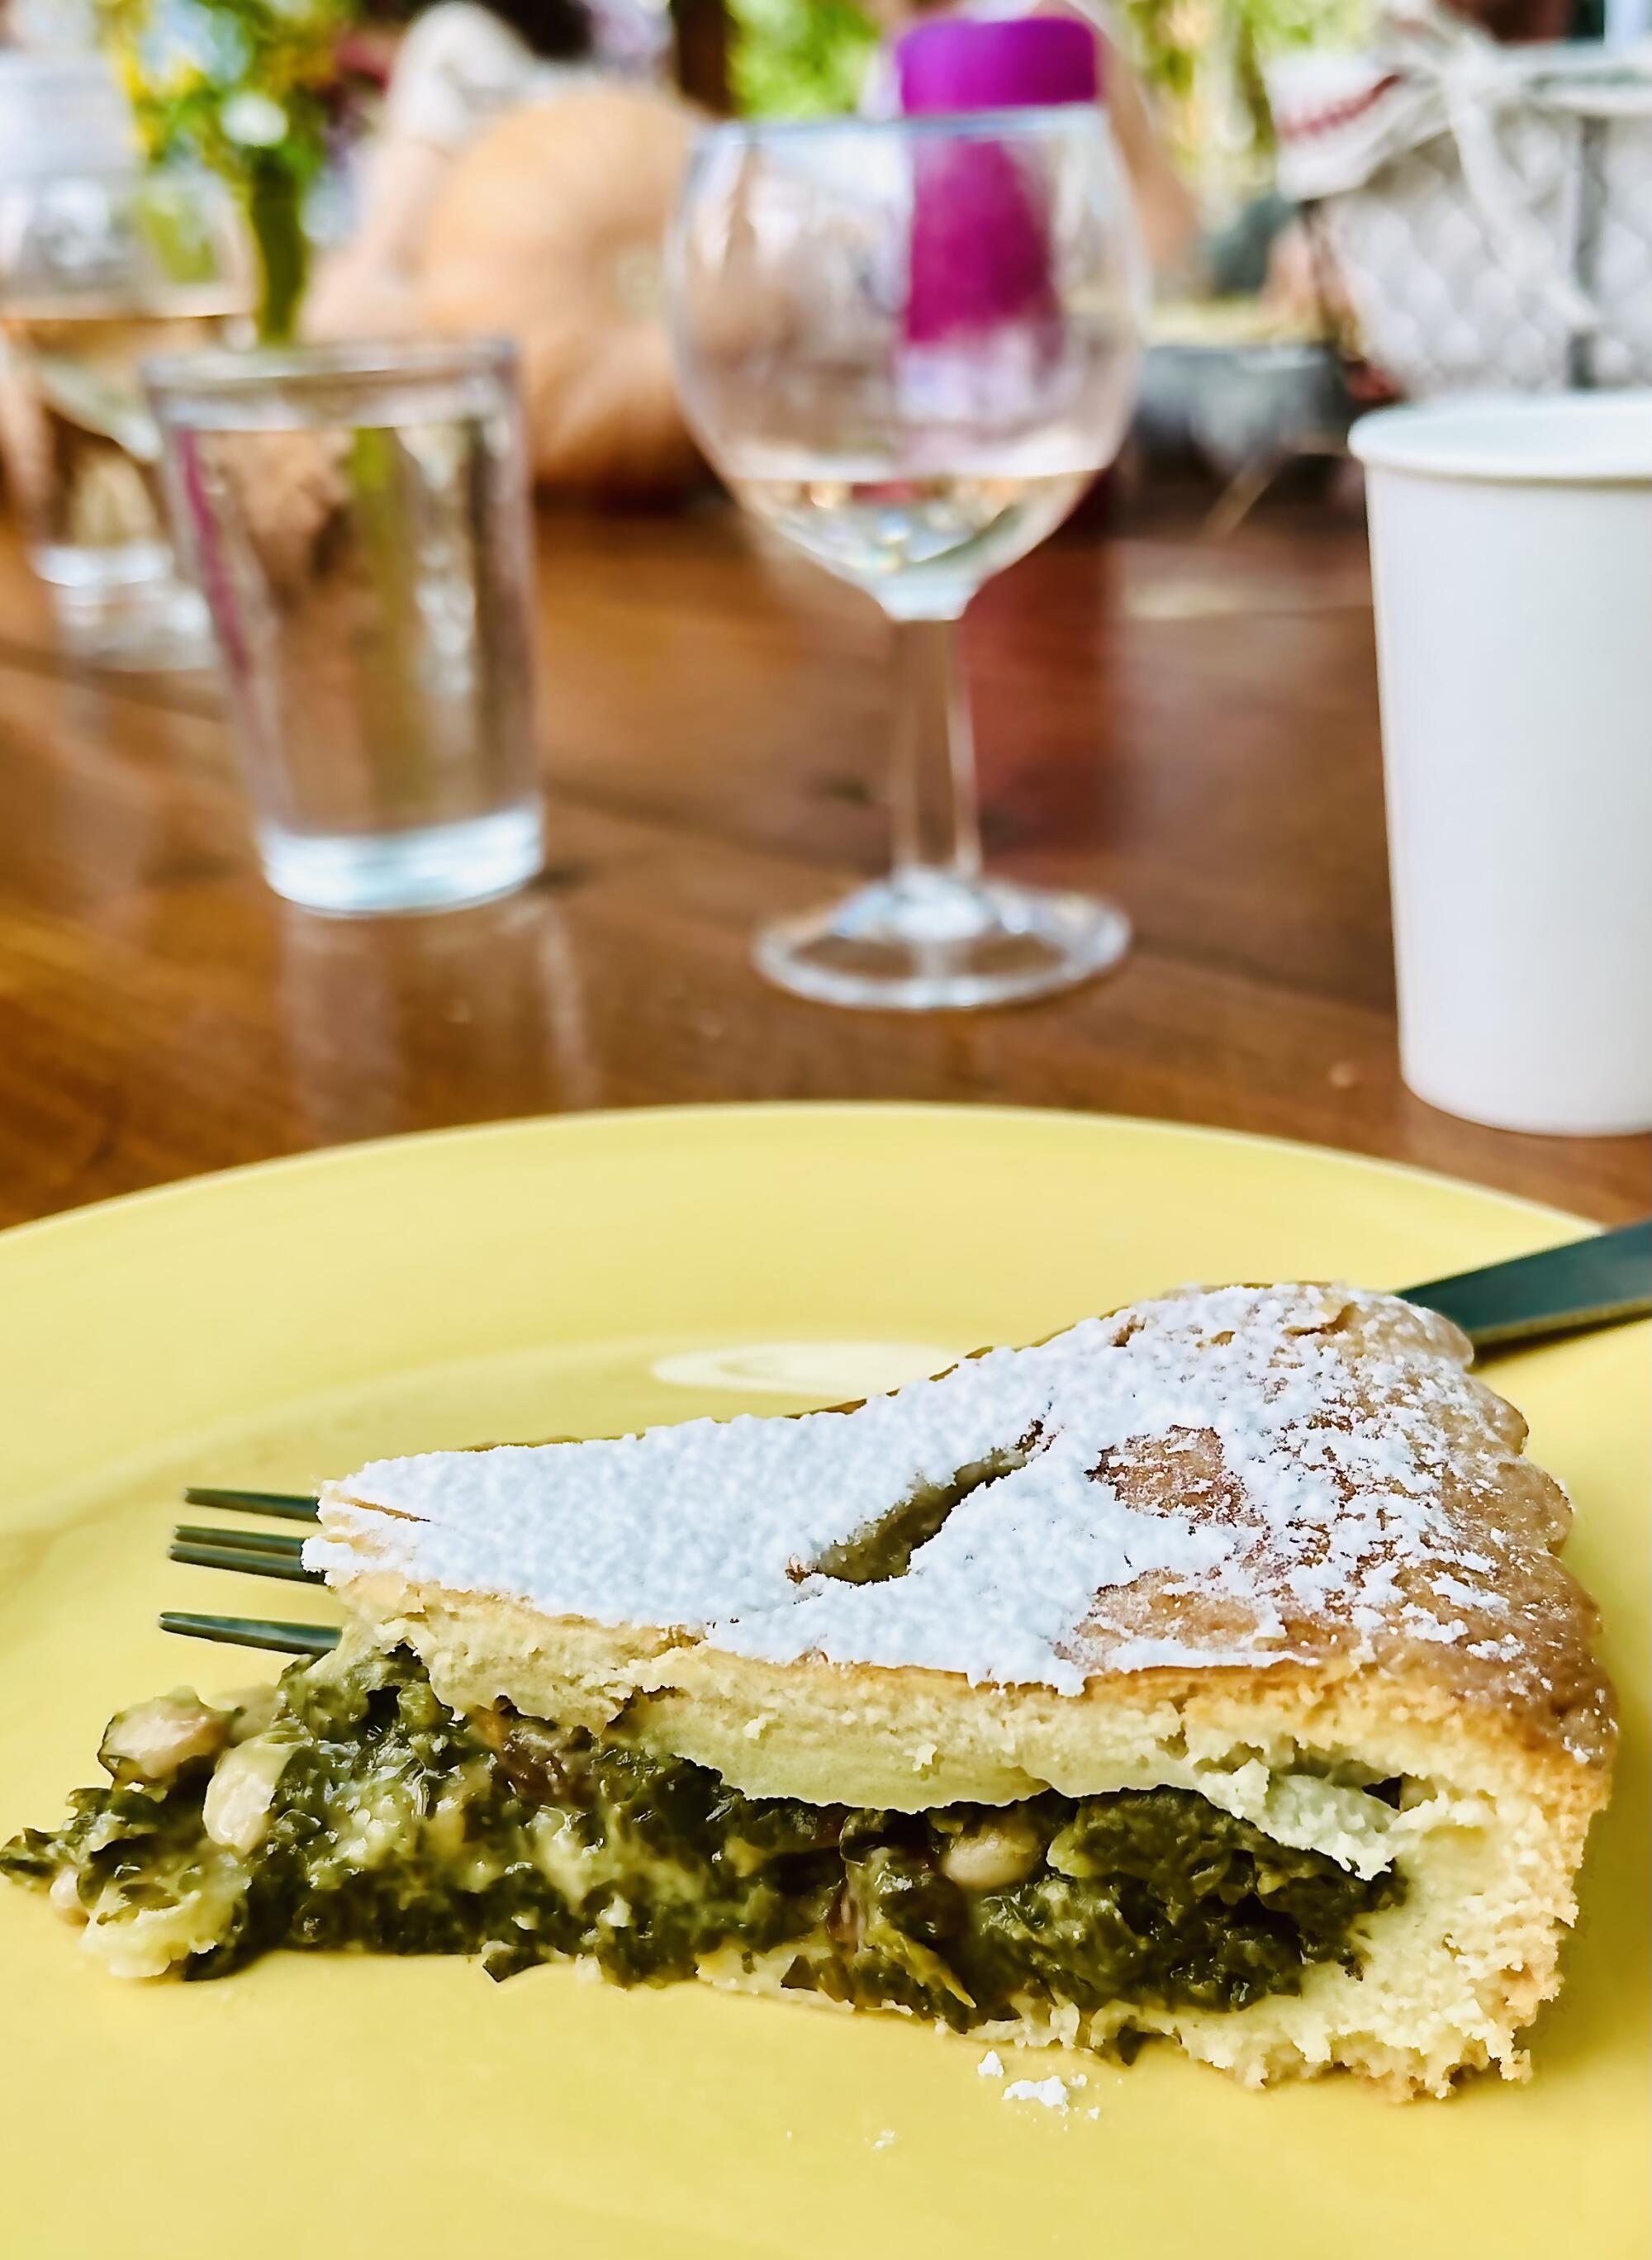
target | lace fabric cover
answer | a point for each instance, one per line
(1490, 208)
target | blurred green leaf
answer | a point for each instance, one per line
(798, 58)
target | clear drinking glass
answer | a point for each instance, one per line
(357, 519)
(102, 266)
(908, 345)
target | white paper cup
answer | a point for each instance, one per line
(1511, 545)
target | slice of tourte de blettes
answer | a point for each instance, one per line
(1206, 1670)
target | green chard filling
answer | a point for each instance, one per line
(350, 1807)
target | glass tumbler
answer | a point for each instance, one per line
(103, 265)
(357, 519)
(909, 345)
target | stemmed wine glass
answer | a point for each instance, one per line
(909, 345)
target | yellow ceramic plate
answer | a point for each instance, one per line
(272, 1325)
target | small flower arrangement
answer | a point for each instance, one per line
(246, 87)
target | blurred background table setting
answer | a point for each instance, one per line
(582, 552)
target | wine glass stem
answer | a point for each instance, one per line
(933, 796)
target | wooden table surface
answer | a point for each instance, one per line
(1191, 727)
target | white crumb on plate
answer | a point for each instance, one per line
(1052, 2092)
(882, 2140)
(991, 2066)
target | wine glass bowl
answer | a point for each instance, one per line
(908, 345)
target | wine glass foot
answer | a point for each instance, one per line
(925, 942)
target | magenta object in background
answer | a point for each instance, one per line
(980, 245)
(980, 239)
(1022, 62)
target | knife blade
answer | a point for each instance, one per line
(1596, 1282)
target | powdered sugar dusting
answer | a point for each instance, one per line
(1205, 1476)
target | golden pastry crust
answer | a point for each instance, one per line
(1336, 1632)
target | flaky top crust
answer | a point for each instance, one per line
(1268, 1479)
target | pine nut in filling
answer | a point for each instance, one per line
(235, 1811)
(993, 1856)
(153, 1740)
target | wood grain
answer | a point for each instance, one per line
(1192, 728)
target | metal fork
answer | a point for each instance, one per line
(255, 1553)
(1590, 1283)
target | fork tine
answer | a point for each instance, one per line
(288, 1544)
(253, 1564)
(290, 1505)
(251, 1632)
